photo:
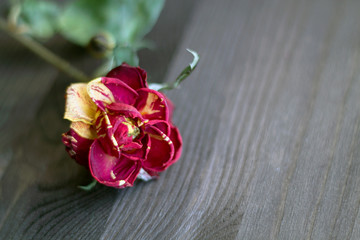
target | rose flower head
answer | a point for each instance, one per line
(120, 129)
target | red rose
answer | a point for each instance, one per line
(121, 130)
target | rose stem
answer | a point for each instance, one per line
(44, 53)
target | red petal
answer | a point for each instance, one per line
(112, 171)
(161, 152)
(135, 77)
(77, 147)
(177, 141)
(121, 91)
(138, 153)
(171, 106)
(131, 146)
(124, 109)
(124, 132)
(106, 134)
(152, 105)
(161, 125)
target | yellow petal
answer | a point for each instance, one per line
(84, 130)
(98, 92)
(149, 106)
(79, 106)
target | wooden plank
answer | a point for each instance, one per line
(267, 84)
(270, 122)
(166, 36)
(31, 191)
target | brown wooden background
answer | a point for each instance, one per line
(270, 122)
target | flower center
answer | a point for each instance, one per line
(133, 130)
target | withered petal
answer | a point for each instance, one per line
(135, 77)
(152, 105)
(79, 106)
(161, 152)
(110, 170)
(77, 147)
(121, 91)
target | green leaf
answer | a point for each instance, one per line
(40, 17)
(182, 76)
(88, 187)
(127, 20)
(188, 70)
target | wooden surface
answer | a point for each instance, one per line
(270, 123)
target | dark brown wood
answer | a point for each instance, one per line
(270, 123)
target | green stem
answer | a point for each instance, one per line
(43, 52)
(89, 187)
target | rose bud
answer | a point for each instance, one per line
(101, 45)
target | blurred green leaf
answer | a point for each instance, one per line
(40, 17)
(144, 43)
(127, 20)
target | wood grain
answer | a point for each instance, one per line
(270, 123)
